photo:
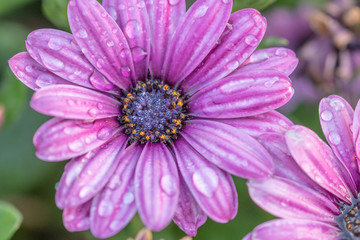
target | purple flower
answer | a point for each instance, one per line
(155, 106)
(315, 188)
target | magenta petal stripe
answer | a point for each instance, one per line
(106, 46)
(156, 186)
(287, 199)
(336, 118)
(195, 36)
(131, 15)
(31, 73)
(59, 53)
(61, 139)
(270, 122)
(229, 148)
(285, 229)
(212, 188)
(318, 161)
(74, 103)
(77, 218)
(242, 95)
(243, 33)
(85, 176)
(114, 206)
(279, 59)
(170, 13)
(356, 132)
(188, 216)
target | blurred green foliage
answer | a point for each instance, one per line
(7, 6)
(257, 4)
(55, 11)
(10, 220)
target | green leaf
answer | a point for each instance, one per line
(257, 4)
(8, 5)
(10, 220)
(56, 12)
(273, 42)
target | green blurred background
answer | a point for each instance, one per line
(29, 183)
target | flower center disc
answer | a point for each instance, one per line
(349, 221)
(152, 111)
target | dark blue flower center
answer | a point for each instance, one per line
(152, 111)
(349, 221)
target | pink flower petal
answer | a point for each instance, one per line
(356, 132)
(318, 161)
(114, 206)
(195, 36)
(170, 13)
(156, 186)
(229, 148)
(102, 41)
(279, 59)
(188, 216)
(242, 95)
(85, 176)
(336, 118)
(77, 218)
(74, 102)
(213, 189)
(285, 229)
(288, 199)
(59, 53)
(31, 73)
(61, 139)
(243, 33)
(259, 124)
(132, 18)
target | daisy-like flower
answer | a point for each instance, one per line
(155, 106)
(315, 188)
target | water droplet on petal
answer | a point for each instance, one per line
(83, 223)
(76, 146)
(122, 7)
(82, 33)
(259, 57)
(113, 13)
(50, 62)
(115, 225)
(334, 138)
(100, 63)
(104, 133)
(226, 1)
(29, 69)
(99, 82)
(93, 112)
(169, 184)
(133, 29)
(233, 65)
(125, 71)
(251, 40)
(114, 182)
(124, 53)
(138, 54)
(20, 74)
(336, 104)
(106, 208)
(55, 44)
(128, 198)
(68, 130)
(85, 191)
(110, 44)
(326, 115)
(174, 2)
(141, 4)
(206, 181)
(281, 52)
(271, 82)
(201, 11)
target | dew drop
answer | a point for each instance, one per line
(169, 184)
(83, 223)
(128, 198)
(201, 11)
(226, 1)
(259, 57)
(85, 191)
(82, 33)
(251, 40)
(206, 181)
(93, 112)
(29, 69)
(141, 4)
(55, 44)
(115, 225)
(100, 63)
(106, 208)
(336, 104)
(122, 7)
(70, 102)
(69, 217)
(76, 146)
(114, 182)
(51, 62)
(326, 115)
(124, 53)
(110, 44)
(174, 2)
(68, 130)
(113, 13)
(125, 71)
(233, 65)
(104, 133)
(20, 74)
(133, 29)
(334, 138)
(138, 54)
(271, 82)
(99, 82)
(281, 52)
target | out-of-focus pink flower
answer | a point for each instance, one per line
(315, 188)
(156, 107)
(2, 115)
(327, 44)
